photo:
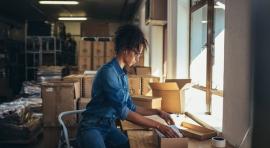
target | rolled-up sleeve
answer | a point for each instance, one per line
(131, 105)
(114, 93)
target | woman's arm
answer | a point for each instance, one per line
(149, 112)
(141, 120)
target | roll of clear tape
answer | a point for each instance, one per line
(218, 142)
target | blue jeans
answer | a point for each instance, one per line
(101, 133)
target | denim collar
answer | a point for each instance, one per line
(116, 65)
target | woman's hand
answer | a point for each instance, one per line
(167, 131)
(166, 117)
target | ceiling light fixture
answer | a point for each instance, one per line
(72, 18)
(59, 2)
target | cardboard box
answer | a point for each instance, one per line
(84, 63)
(134, 85)
(98, 49)
(59, 96)
(196, 132)
(94, 28)
(82, 103)
(140, 70)
(85, 49)
(171, 142)
(87, 85)
(146, 89)
(98, 62)
(171, 96)
(147, 101)
(109, 49)
(78, 78)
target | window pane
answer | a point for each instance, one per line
(218, 66)
(198, 46)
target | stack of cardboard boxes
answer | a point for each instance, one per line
(84, 55)
(58, 96)
(93, 54)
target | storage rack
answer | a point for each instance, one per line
(36, 49)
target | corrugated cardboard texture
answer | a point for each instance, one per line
(146, 89)
(140, 70)
(98, 49)
(197, 132)
(78, 78)
(98, 61)
(109, 51)
(84, 63)
(134, 85)
(170, 94)
(180, 82)
(147, 101)
(58, 97)
(85, 49)
(87, 85)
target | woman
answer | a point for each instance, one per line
(111, 99)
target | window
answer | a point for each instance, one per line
(206, 64)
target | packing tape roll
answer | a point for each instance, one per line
(218, 142)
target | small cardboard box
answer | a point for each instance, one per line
(147, 101)
(146, 79)
(98, 62)
(197, 132)
(171, 142)
(98, 48)
(87, 85)
(78, 78)
(141, 70)
(134, 85)
(109, 52)
(85, 48)
(84, 63)
(171, 95)
(59, 96)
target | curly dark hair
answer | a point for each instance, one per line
(129, 37)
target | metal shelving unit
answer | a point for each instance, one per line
(38, 52)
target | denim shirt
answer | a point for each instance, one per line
(110, 94)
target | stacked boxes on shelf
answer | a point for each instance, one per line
(93, 54)
(109, 52)
(98, 54)
(85, 49)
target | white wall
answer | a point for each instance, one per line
(182, 64)
(146, 31)
(178, 39)
(237, 72)
(156, 50)
(172, 38)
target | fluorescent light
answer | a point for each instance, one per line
(72, 18)
(204, 22)
(59, 2)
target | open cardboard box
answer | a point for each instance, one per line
(196, 132)
(171, 142)
(147, 101)
(171, 93)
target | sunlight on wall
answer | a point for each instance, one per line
(218, 67)
(198, 69)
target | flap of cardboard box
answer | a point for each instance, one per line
(145, 98)
(197, 132)
(164, 86)
(180, 82)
